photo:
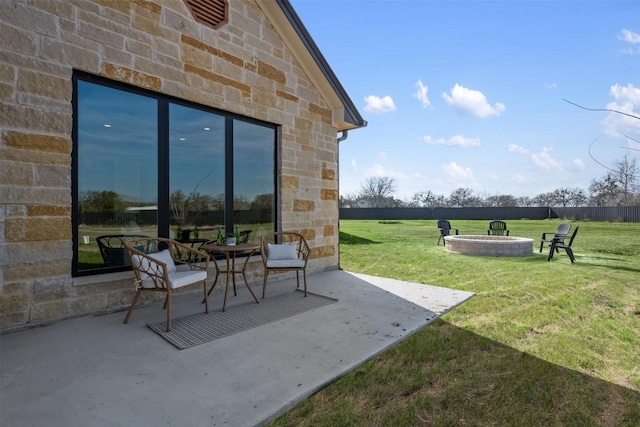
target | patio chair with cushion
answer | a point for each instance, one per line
(561, 233)
(445, 230)
(284, 251)
(498, 228)
(165, 270)
(559, 243)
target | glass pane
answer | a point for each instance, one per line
(253, 177)
(196, 173)
(117, 172)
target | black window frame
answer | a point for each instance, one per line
(164, 216)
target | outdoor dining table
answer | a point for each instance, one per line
(230, 252)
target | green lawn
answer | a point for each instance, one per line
(542, 343)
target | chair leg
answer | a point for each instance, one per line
(168, 303)
(215, 282)
(552, 249)
(570, 253)
(133, 304)
(264, 282)
(304, 276)
(206, 297)
(298, 279)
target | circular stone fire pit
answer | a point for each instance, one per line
(489, 245)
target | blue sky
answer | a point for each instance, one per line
(470, 93)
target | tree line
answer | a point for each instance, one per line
(618, 187)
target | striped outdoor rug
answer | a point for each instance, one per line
(200, 328)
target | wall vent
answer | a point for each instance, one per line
(213, 13)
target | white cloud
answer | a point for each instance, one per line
(382, 156)
(421, 94)
(515, 148)
(629, 36)
(458, 172)
(378, 105)
(552, 85)
(472, 101)
(633, 39)
(578, 164)
(544, 160)
(626, 99)
(354, 164)
(454, 141)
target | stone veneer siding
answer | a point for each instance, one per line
(244, 67)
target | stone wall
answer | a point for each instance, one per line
(244, 67)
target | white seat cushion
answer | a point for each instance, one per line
(143, 263)
(288, 251)
(285, 263)
(179, 279)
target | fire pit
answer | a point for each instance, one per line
(489, 245)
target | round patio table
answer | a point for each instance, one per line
(230, 252)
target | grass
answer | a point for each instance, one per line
(541, 344)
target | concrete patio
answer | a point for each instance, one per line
(97, 371)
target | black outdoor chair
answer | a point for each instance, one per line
(445, 230)
(113, 250)
(559, 243)
(561, 233)
(498, 228)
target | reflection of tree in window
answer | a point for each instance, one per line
(198, 167)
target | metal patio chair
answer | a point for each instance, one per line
(167, 270)
(284, 251)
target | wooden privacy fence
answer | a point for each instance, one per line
(612, 214)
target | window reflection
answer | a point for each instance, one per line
(117, 172)
(196, 173)
(253, 177)
(184, 177)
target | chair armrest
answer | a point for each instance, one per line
(304, 250)
(148, 268)
(195, 258)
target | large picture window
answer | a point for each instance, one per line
(145, 164)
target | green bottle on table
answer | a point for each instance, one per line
(219, 237)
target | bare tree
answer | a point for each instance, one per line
(348, 201)
(501, 200)
(605, 192)
(461, 197)
(378, 191)
(619, 186)
(626, 173)
(428, 199)
(543, 199)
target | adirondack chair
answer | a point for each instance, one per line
(498, 228)
(559, 243)
(561, 233)
(445, 230)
